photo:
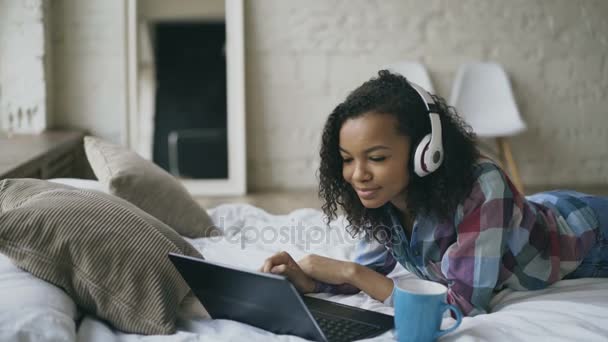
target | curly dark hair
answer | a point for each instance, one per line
(437, 194)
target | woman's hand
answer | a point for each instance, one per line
(327, 270)
(282, 263)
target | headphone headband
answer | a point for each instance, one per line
(426, 97)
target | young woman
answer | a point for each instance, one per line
(438, 207)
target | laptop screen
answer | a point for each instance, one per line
(267, 301)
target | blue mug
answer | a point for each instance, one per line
(419, 308)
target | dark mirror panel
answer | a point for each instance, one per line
(190, 125)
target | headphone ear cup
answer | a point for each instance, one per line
(421, 150)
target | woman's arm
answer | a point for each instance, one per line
(367, 273)
(339, 276)
(315, 273)
(472, 265)
(343, 275)
(376, 285)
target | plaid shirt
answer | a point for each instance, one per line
(498, 239)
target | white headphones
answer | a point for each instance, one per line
(429, 152)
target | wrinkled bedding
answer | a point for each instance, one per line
(569, 310)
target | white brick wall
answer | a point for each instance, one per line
(303, 58)
(23, 97)
(89, 67)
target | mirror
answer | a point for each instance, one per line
(186, 91)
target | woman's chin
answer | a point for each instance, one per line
(372, 203)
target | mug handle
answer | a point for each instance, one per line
(458, 320)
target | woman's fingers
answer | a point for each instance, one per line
(279, 269)
(283, 264)
(281, 258)
(267, 266)
(302, 282)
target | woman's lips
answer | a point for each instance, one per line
(367, 193)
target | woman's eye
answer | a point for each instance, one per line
(377, 159)
(347, 160)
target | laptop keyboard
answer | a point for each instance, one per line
(338, 329)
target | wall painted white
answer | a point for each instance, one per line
(23, 68)
(89, 68)
(303, 58)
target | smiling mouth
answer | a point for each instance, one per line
(367, 193)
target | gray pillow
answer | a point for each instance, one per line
(141, 182)
(107, 254)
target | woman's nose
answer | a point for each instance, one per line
(361, 173)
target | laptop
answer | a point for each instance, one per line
(272, 303)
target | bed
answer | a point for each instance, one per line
(32, 309)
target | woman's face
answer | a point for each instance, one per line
(375, 159)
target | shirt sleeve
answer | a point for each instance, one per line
(369, 253)
(472, 264)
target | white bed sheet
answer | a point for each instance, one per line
(571, 310)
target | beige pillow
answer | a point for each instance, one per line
(141, 182)
(107, 254)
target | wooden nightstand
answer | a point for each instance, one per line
(51, 154)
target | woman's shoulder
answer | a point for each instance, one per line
(487, 170)
(490, 184)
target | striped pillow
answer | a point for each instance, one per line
(128, 176)
(107, 254)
